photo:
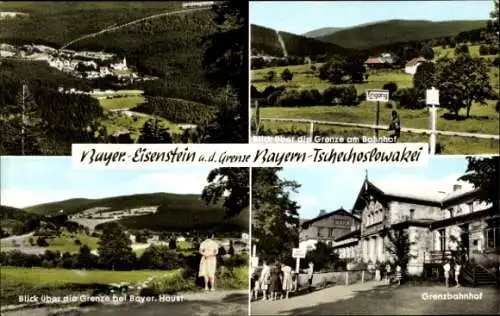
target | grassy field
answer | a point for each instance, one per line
(66, 243)
(484, 119)
(304, 78)
(117, 122)
(53, 282)
(39, 281)
(450, 52)
(128, 102)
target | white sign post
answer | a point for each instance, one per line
(298, 254)
(377, 96)
(432, 99)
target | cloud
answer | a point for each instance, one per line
(177, 182)
(411, 182)
(23, 198)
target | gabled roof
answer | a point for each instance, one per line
(416, 61)
(340, 211)
(425, 196)
(374, 60)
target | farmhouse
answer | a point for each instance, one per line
(439, 225)
(375, 63)
(412, 65)
(326, 227)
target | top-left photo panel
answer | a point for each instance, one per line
(121, 72)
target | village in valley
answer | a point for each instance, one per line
(83, 64)
(134, 73)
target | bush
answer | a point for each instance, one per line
(389, 105)
(391, 86)
(349, 96)
(408, 98)
(331, 96)
(496, 62)
(484, 50)
(254, 93)
(270, 76)
(497, 107)
(272, 99)
(289, 98)
(78, 242)
(287, 75)
(172, 244)
(42, 242)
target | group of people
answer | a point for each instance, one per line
(390, 277)
(451, 268)
(277, 281)
(274, 281)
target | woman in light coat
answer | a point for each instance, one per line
(208, 263)
(287, 280)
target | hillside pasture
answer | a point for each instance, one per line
(484, 118)
(305, 78)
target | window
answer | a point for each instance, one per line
(330, 232)
(412, 214)
(450, 212)
(471, 207)
(442, 238)
(493, 234)
(319, 231)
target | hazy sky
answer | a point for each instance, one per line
(26, 181)
(302, 16)
(330, 189)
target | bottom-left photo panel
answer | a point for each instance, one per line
(132, 242)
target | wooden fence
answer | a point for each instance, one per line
(376, 127)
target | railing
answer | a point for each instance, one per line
(376, 127)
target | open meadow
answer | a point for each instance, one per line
(483, 118)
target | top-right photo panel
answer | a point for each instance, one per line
(377, 71)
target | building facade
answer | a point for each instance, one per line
(327, 226)
(439, 225)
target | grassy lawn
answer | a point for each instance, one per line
(66, 243)
(484, 120)
(116, 122)
(123, 102)
(58, 282)
(55, 276)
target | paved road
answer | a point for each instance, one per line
(328, 295)
(114, 28)
(212, 303)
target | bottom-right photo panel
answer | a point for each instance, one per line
(377, 240)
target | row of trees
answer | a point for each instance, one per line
(462, 81)
(279, 96)
(115, 253)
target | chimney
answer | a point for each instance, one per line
(457, 187)
(322, 212)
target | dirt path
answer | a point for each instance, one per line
(199, 303)
(328, 295)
